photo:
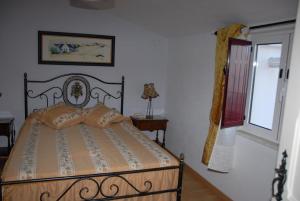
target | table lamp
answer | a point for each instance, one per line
(149, 93)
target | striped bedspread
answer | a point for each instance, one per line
(42, 152)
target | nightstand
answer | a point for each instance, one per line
(156, 124)
(7, 129)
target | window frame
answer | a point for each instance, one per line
(283, 37)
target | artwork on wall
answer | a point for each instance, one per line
(75, 49)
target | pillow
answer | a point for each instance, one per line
(37, 113)
(34, 115)
(101, 116)
(60, 116)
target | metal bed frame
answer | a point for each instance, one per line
(78, 80)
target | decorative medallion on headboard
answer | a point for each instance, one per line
(76, 91)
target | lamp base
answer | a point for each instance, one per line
(149, 113)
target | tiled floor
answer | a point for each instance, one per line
(193, 189)
(196, 190)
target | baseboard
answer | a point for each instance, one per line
(201, 179)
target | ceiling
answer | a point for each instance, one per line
(184, 17)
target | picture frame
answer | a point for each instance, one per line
(61, 48)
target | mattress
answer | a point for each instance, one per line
(42, 152)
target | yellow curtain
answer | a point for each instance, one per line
(223, 35)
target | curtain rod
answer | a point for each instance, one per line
(269, 25)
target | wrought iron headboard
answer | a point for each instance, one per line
(75, 87)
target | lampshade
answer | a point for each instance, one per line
(149, 91)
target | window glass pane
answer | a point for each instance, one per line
(265, 80)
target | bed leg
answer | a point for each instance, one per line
(179, 187)
(1, 190)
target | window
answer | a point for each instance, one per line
(236, 81)
(268, 80)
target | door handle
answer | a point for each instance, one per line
(280, 179)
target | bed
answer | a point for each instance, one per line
(83, 162)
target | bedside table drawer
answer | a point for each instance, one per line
(151, 125)
(4, 152)
(4, 129)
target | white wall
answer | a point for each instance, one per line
(140, 55)
(189, 94)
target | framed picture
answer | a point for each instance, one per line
(75, 49)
